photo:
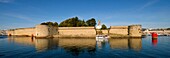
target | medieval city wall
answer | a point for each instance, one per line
(50, 31)
(76, 32)
(127, 31)
(135, 30)
(46, 31)
(123, 30)
(22, 32)
(38, 31)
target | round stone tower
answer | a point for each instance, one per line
(135, 31)
(42, 31)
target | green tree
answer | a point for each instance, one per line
(76, 22)
(91, 22)
(168, 28)
(50, 24)
(71, 22)
(104, 27)
(84, 23)
(55, 24)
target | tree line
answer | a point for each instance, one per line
(74, 22)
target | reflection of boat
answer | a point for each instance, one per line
(101, 38)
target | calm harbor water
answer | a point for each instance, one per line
(25, 47)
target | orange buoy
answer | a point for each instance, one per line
(154, 35)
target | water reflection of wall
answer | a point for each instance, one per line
(45, 44)
(126, 43)
(76, 46)
(118, 43)
(135, 43)
(22, 40)
(40, 44)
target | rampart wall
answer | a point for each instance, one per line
(76, 32)
(22, 31)
(123, 30)
(128, 31)
(50, 31)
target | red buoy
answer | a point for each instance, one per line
(154, 35)
(154, 41)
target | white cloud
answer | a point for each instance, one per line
(6, 1)
(148, 4)
(20, 17)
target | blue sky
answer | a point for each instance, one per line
(28, 13)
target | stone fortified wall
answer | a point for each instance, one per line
(76, 32)
(132, 30)
(38, 31)
(50, 31)
(123, 30)
(135, 30)
(46, 31)
(22, 31)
